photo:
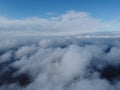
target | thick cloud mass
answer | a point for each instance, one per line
(60, 64)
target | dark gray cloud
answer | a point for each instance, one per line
(60, 64)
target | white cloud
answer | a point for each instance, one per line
(5, 57)
(50, 66)
(71, 22)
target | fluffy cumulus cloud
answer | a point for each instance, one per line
(71, 22)
(60, 64)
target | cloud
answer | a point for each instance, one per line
(50, 13)
(5, 57)
(60, 64)
(71, 22)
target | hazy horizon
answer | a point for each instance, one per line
(44, 17)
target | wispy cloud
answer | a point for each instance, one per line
(50, 13)
(71, 22)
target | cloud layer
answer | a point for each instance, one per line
(71, 22)
(60, 64)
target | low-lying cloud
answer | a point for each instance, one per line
(60, 64)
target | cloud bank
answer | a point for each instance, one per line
(60, 64)
(71, 22)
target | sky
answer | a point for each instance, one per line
(54, 17)
(105, 9)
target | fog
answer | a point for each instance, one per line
(59, 63)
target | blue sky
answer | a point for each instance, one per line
(37, 15)
(106, 9)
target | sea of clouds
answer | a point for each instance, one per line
(60, 63)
